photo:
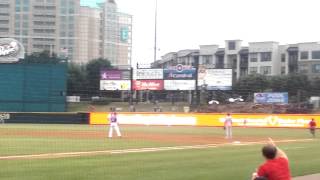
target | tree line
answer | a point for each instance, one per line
(84, 80)
(298, 86)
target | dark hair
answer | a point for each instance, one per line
(269, 151)
(261, 178)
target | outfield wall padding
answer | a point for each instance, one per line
(46, 118)
(208, 119)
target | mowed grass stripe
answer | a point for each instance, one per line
(228, 162)
(141, 150)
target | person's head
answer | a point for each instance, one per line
(312, 119)
(269, 151)
(261, 178)
(228, 114)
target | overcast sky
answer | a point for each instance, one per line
(186, 24)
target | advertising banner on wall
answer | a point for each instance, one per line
(114, 74)
(269, 98)
(148, 74)
(215, 79)
(183, 85)
(113, 85)
(211, 119)
(180, 72)
(156, 85)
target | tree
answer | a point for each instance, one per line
(44, 57)
(248, 85)
(315, 87)
(297, 82)
(77, 82)
(279, 83)
(93, 69)
(252, 83)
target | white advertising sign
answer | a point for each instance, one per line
(11, 50)
(148, 74)
(215, 79)
(156, 119)
(113, 85)
(183, 85)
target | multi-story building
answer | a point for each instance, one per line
(116, 34)
(185, 57)
(41, 24)
(309, 59)
(71, 31)
(89, 39)
(267, 58)
(125, 41)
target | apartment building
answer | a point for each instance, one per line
(116, 34)
(184, 57)
(41, 24)
(267, 58)
(309, 59)
(75, 32)
(89, 39)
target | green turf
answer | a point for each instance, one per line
(227, 162)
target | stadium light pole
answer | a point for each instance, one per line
(155, 31)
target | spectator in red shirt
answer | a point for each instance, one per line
(276, 166)
(312, 127)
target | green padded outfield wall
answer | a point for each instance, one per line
(33, 87)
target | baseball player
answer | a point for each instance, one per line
(312, 127)
(113, 123)
(228, 126)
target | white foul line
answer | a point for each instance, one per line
(138, 150)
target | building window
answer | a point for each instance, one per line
(25, 32)
(4, 21)
(304, 55)
(206, 59)
(266, 70)
(63, 42)
(63, 11)
(253, 70)
(316, 68)
(4, 29)
(253, 57)
(63, 34)
(17, 24)
(265, 56)
(17, 17)
(17, 8)
(63, 19)
(303, 68)
(71, 11)
(315, 54)
(25, 24)
(232, 45)
(283, 70)
(63, 2)
(283, 57)
(243, 71)
(25, 41)
(71, 42)
(17, 32)
(25, 8)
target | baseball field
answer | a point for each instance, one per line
(32, 152)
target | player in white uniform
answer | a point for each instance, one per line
(113, 118)
(228, 126)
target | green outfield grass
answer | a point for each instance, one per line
(218, 163)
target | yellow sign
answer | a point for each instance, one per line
(209, 119)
